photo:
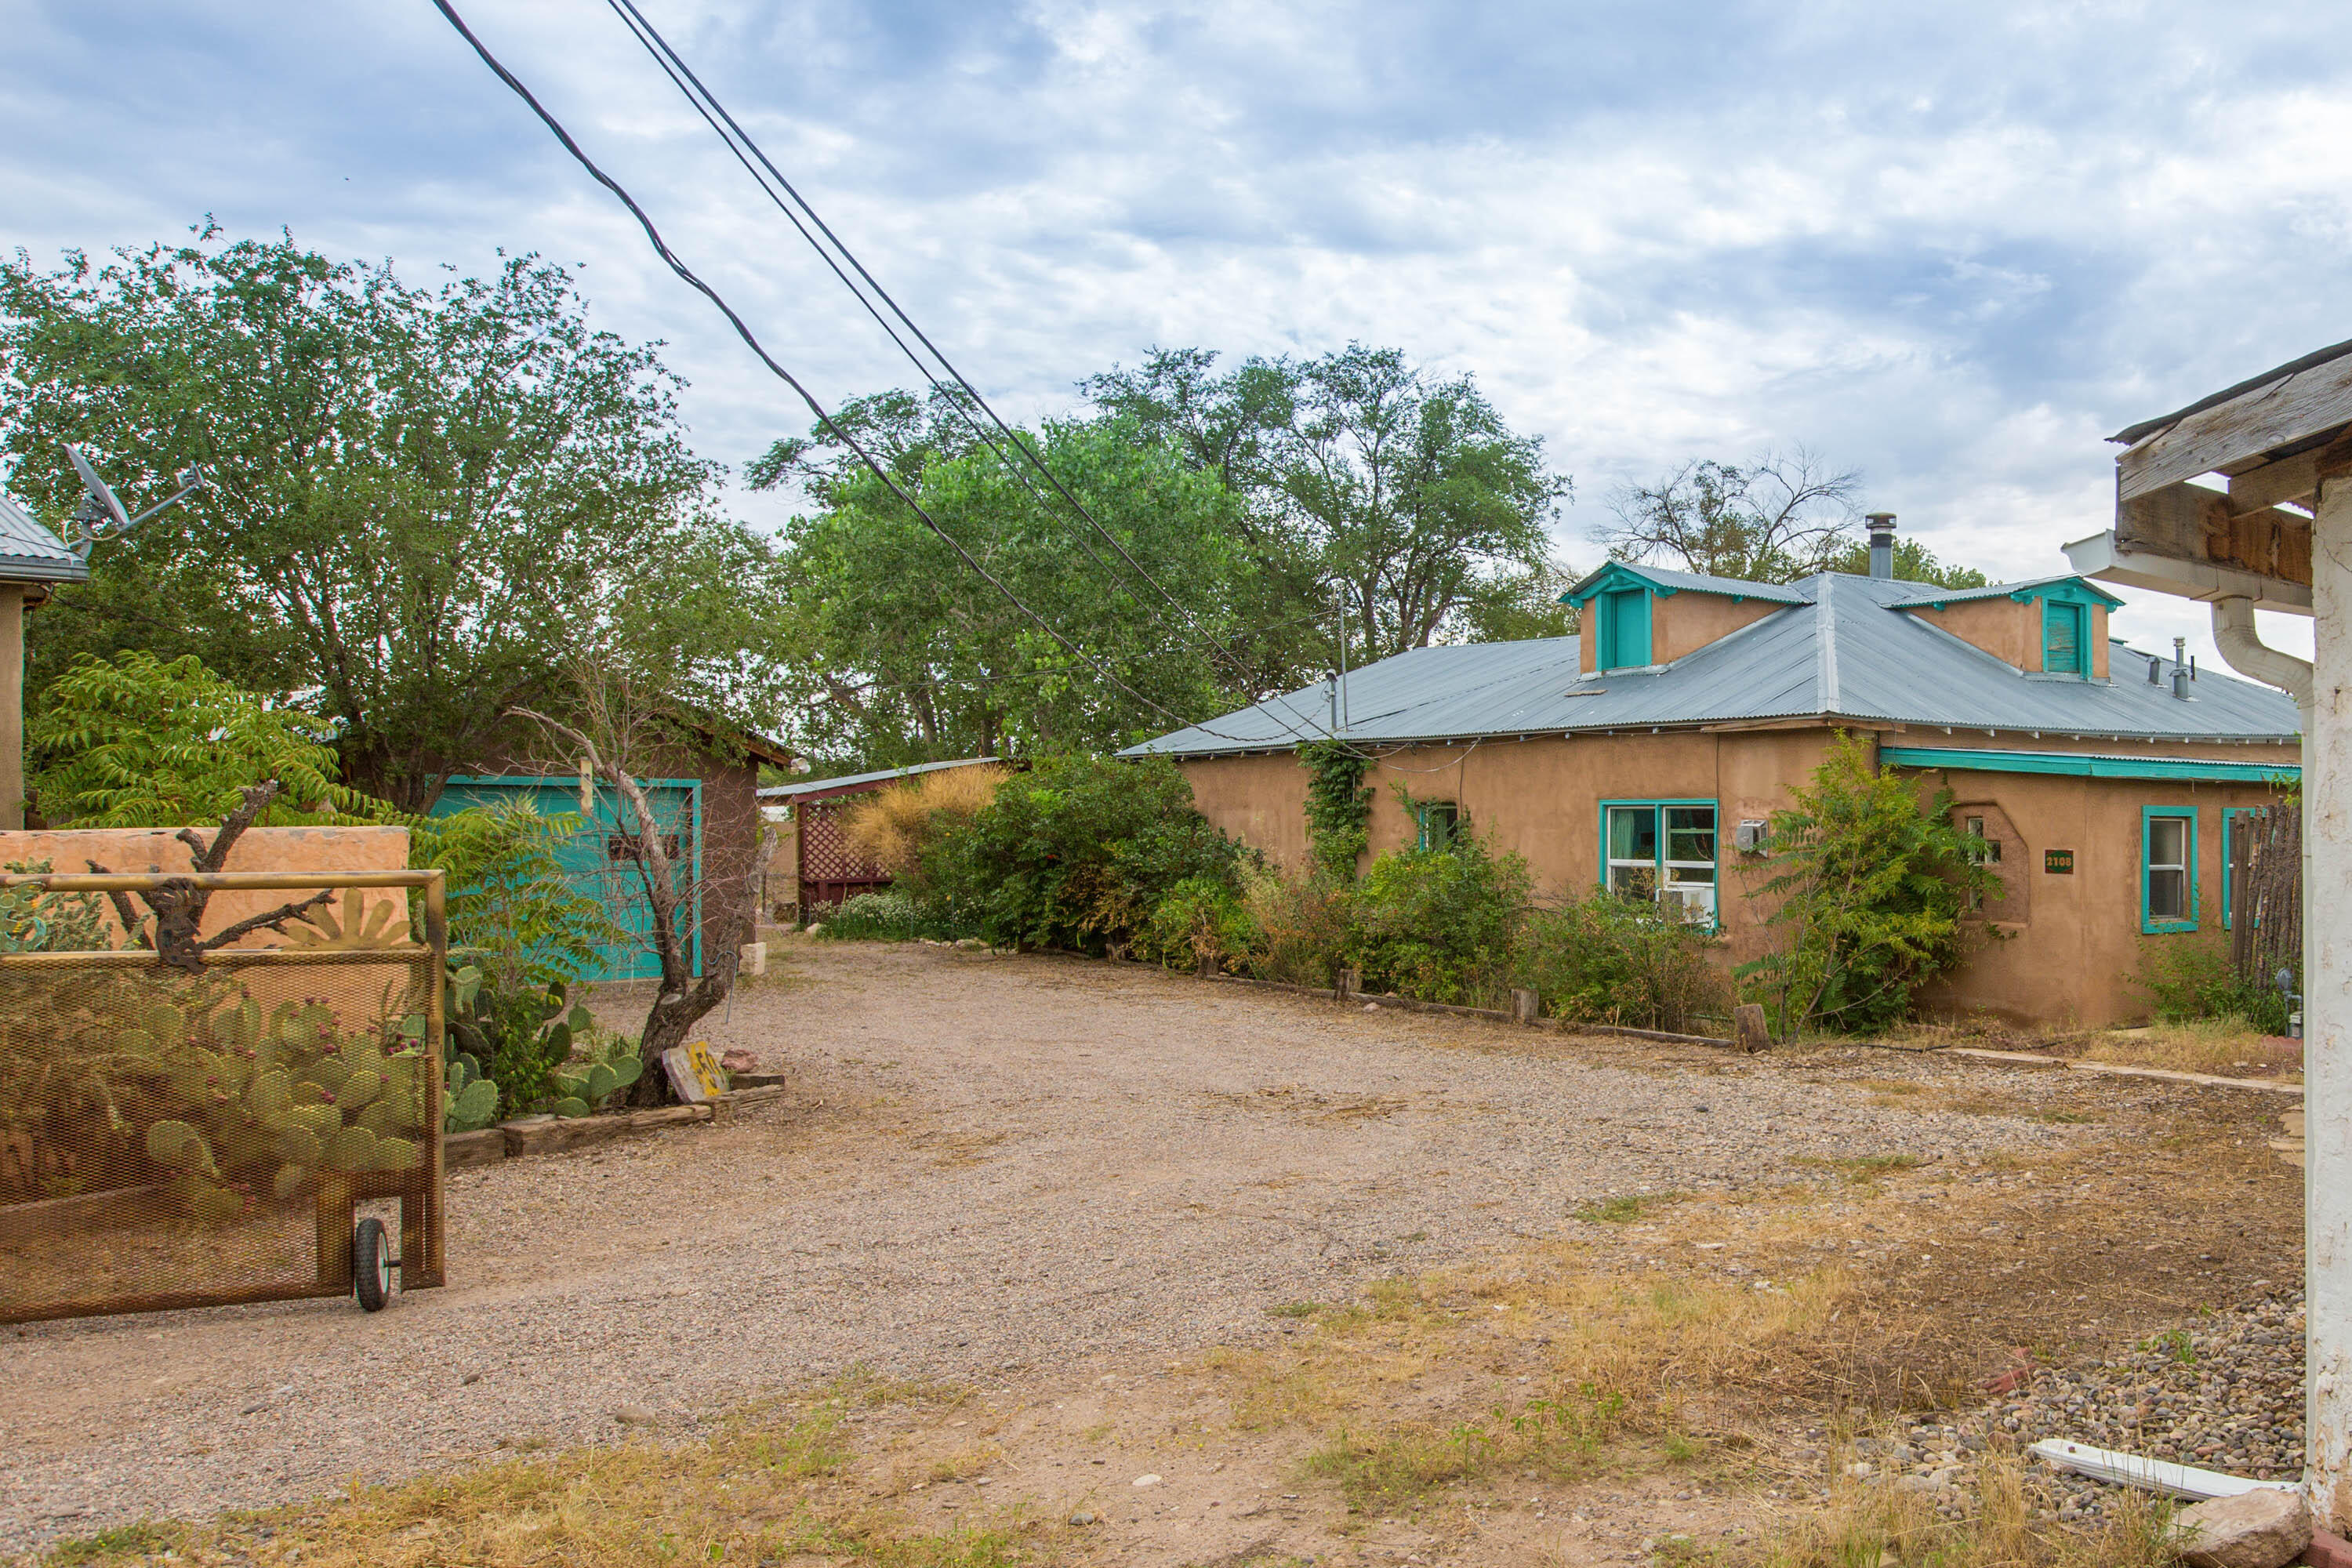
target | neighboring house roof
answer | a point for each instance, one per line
(1841, 653)
(1929, 596)
(31, 553)
(862, 780)
(1675, 581)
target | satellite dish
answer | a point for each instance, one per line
(100, 514)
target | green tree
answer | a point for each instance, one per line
(898, 652)
(422, 496)
(1868, 887)
(1362, 482)
(1914, 563)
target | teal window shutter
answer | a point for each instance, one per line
(1625, 630)
(2062, 638)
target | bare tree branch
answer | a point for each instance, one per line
(1778, 517)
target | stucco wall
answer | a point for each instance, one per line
(289, 849)
(2075, 940)
(2011, 632)
(1685, 622)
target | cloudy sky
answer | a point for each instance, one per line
(1954, 247)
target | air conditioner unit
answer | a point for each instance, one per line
(1750, 837)
(1697, 899)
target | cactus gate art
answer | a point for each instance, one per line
(172, 1139)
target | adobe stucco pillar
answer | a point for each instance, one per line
(2328, 1022)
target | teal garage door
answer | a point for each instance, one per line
(596, 858)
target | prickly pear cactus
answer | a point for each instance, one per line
(591, 1082)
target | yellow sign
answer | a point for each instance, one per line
(694, 1072)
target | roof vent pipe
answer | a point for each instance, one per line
(2180, 668)
(1881, 544)
(2243, 650)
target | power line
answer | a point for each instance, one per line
(713, 111)
(687, 274)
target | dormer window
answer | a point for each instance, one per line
(2063, 637)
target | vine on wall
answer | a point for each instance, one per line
(1339, 804)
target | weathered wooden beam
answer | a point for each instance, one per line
(2189, 522)
(2289, 478)
(2292, 409)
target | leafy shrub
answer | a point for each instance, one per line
(1200, 918)
(1077, 853)
(1338, 804)
(514, 908)
(1299, 925)
(34, 920)
(1438, 924)
(140, 742)
(891, 916)
(1612, 960)
(2188, 981)
(1870, 888)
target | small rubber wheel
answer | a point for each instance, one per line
(371, 1265)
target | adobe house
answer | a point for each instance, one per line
(33, 562)
(1646, 755)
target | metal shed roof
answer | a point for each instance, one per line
(1841, 653)
(31, 553)
(856, 781)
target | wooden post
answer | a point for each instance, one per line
(2240, 890)
(1525, 1007)
(1205, 966)
(2328, 1022)
(12, 706)
(1350, 981)
(1749, 1029)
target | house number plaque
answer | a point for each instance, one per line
(2058, 862)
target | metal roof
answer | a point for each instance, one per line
(31, 553)
(1928, 594)
(1841, 653)
(1697, 582)
(853, 781)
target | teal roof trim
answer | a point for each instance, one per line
(1665, 582)
(2084, 765)
(2065, 590)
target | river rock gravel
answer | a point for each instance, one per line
(984, 1166)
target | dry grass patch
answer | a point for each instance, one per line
(2226, 1047)
(777, 1486)
(1867, 1526)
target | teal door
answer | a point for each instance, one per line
(596, 860)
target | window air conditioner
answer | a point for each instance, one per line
(1750, 837)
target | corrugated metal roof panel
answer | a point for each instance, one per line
(1697, 582)
(849, 781)
(1841, 652)
(31, 553)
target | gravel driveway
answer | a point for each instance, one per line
(987, 1164)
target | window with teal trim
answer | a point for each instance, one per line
(2168, 874)
(2063, 652)
(1662, 850)
(1440, 824)
(1624, 628)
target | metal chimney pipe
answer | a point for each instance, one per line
(1881, 544)
(2180, 667)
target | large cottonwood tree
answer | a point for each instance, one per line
(423, 496)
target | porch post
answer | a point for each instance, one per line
(2328, 1022)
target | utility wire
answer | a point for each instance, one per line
(740, 142)
(825, 420)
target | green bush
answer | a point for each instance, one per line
(2188, 981)
(1299, 925)
(1200, 918)
(891, 916)
(1077, 853)
(1438, 924)
(1611, 960)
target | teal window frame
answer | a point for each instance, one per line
(1659, 841)
(2054, 612)
(2149, 923)
(1437, 824)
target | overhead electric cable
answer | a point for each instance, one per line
(742, 331)
(745, 149)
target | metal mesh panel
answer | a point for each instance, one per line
(174, 1138)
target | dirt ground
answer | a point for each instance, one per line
(1192, 1263)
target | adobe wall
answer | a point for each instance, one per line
(2011, 632)
(287, 849)
(1688, 621)
(2074, 939)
